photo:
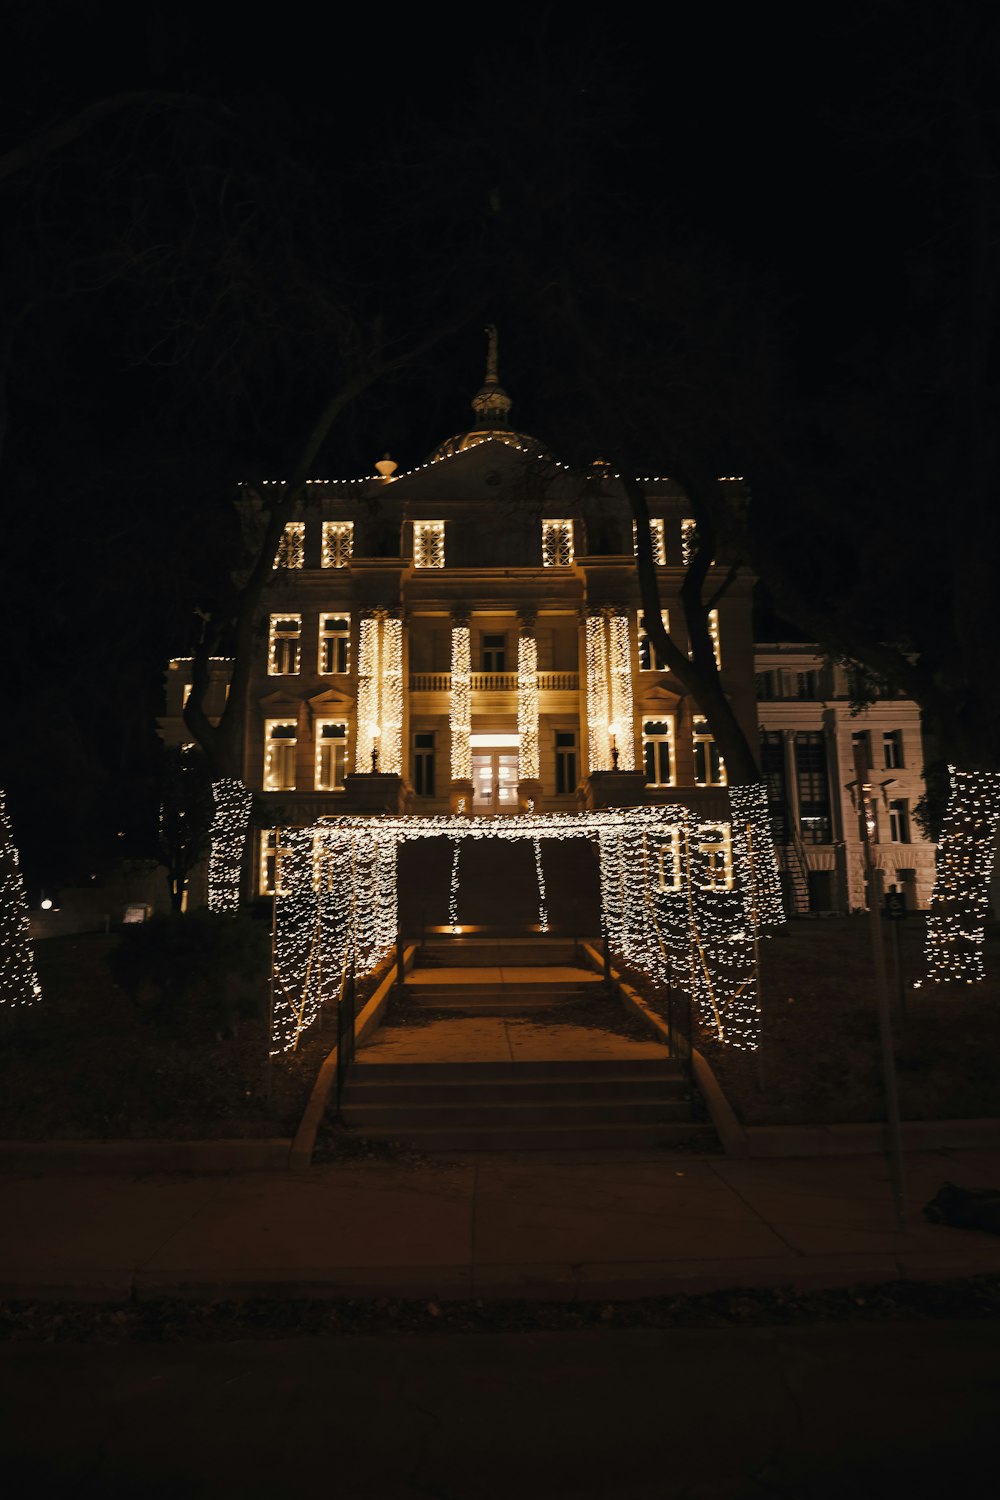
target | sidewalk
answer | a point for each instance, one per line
(539, 1224)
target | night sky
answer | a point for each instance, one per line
(181, 281)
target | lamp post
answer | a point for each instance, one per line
(375, 735)
(613, 733)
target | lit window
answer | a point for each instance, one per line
(331, 755)
(272, 853)
(557, 544)
(280, 738)
(650, 659)
(656, 537)
(334, 644)
(899, 821)
(709, 768)
(423, 763)
(292, 547)
(892, 751)
(493, 653)
(659, 758)
(428, 544)
(689, 540)
(713, 631)
(284, 646)
(338, 543)
(715, 847)
(566, 762)
(669, 862)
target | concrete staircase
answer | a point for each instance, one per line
(448, 1099)
(521, 1106)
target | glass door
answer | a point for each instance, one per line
(494, 781)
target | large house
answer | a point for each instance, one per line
(465, 637)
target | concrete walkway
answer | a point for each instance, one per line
(603, 1224)
(484, 1039)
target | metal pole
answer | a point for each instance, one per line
(897, 969)
(400, 973)
(874, 888)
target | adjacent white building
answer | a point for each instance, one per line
(808, 738)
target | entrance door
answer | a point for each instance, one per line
(494, 781)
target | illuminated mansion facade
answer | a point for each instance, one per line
(466, 638)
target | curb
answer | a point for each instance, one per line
(269, 1154)
(460, 1284)
(302, 1147)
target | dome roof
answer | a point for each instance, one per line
(491, 405)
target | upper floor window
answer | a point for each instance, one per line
(428, 544)
(650, 659)
(716, 848)
(492, 652)
(656, 537)
(272, 852)
(284, 645)
(709, 767)
(899, 821)
(280, 738)
(892, 750)
(689, 540)
(331, 755)
(423, 762)
(861, 740)
(292, 547)
(805, 685)
(557, 544)
(765, 686)
(334, 644)
(338, 543)
(713, 632)
(658, 754)
(565, 748)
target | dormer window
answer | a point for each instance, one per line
(428, 544)
(557, 544)
(292, 547)
(656, 538)
(338, 543)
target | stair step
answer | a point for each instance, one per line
(548, 1113)
(366, 1090)
(568, 1138)
(596, 1069)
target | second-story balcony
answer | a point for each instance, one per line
(494, 682)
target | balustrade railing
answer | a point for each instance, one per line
(494, 682)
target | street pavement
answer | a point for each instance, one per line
(535, 1224)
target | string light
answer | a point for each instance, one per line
(609, 692)
(460, 708)
(368, 666)
(672, 904)
(754, 858)
(453, 886)
(598, 705)
(527, 705)
(391, 695)
(18, 980)
(620, 665)
(380, 693)
(960, 899)
(227, 837)
(543, 911)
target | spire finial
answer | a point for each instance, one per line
(491, 402)
(492, 375)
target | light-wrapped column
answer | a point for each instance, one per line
(368, 679)
(527, 705)
(957, 917)
(620, 674)
(391, 696)
(227, 839)
(460, 713)
(18, 980)
(754, 858)
(598, 706)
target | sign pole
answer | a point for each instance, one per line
(873, 882)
